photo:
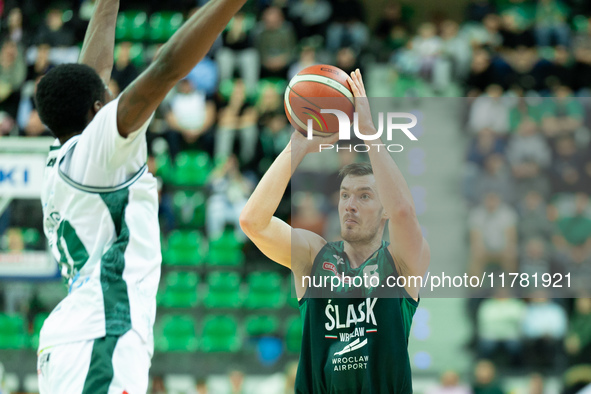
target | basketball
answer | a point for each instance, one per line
(315, 88)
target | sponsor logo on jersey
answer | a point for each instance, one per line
(339, 259)
(330, 267)
(356, 344)
(344, 318)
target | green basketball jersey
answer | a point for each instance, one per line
(355, 338)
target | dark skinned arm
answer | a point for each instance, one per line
(99, 41)
(174, 61)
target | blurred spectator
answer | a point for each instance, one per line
(533, 217)
(276, 42)
(562, 69)
(54, 31)
(236, 378)
(563, 114)
(515, 30)
(390, 18)
(551, 25)
(544, 328)
(490, 111)
(229, 192)
(578, 338)
(42, 63)
(485, 35)
(269, 104)
(476, 10)
(14, 29)
(28, 120)
(449, 383)
(205, 75)
(535, 260)
(237, 51)
(581, 45)
(13, 71)
(274, 137)
(307, 58)
(158, 386)
(310, 17)
(536, 384)
(485, 144)
(566, 171)
(493, 235)
(455, 57)
(346, 60)
(189, 115)
(427, 45)
(495, 178)
(523, 68)
(124, 71)
(307, 212)
(499, 323)
(480, 75)
(291, 370)
(484, 379)
(201, 386)
(237, 120)
(13, 240)
(347, 28)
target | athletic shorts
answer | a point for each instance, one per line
(108, 365)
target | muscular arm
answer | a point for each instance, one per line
(99, 41)
(270, 234)
(407, 245)
(176, 58)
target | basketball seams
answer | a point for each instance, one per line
(339, 87)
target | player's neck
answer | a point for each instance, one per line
(359, 252)
(65, 138)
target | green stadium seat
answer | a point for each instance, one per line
(131, 26)
(223, 290)
(292, 301)
(192, 168)
(176, 333)
(293, 334)
(13, 332)
(184, 247)
(164, 167)
(180, 290)
(164, 24)
(225, 250)
(189, 208)
(265, 290)
(220, 334)
(31, 237)
(580, 23)
(37, 324)
(260, 325)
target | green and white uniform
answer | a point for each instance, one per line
(355, 338)
(100, 208)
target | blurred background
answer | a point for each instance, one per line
(501, 176)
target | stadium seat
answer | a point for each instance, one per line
(189, 209)
(37, 324)
(31, 238)
(223, 290)
(192, 168)
(176, 333)
(180, 290)
(163, 25)
(260, 325)
(184, 247)
(136, 54)
(131, 26)
(220, 334)
(265, 291)
(225, 250)
(293, 334)
(164, 167)
(13, 333)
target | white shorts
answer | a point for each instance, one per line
(108, 365)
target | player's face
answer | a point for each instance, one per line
(360, 210)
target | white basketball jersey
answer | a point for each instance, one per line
(101, 221)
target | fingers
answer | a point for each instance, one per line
(356, 83)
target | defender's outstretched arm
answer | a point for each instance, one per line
(176, 58)
(99, 41)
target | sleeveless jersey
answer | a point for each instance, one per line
(355, 339)
(107, 243)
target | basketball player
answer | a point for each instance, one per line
(355, 338)
(100, 206)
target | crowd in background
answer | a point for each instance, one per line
(524, 65)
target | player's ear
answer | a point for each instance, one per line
(97, 106)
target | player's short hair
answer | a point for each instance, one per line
(356, 169)
(65, 95)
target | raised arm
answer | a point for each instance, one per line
(99, 41)
(275, 238)
(407, 245)
(174, 61)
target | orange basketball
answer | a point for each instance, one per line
(315, 88)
